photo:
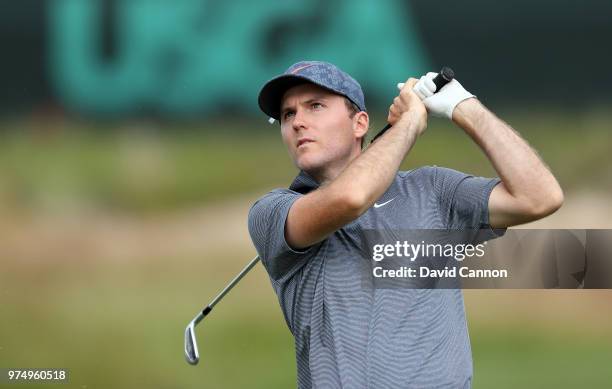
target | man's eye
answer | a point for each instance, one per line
(287, 115)
(316, 105)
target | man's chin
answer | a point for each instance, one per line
(308, 164)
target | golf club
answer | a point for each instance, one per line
(445, 76)
(191, 347)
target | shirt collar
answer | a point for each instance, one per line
(303, 183)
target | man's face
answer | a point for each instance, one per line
(316, 127)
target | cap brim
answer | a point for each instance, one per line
(273, 91)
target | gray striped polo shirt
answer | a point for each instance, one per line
(348, 335)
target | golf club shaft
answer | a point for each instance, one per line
(226, 290)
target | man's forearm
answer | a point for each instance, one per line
(369, 175)
(518, 165)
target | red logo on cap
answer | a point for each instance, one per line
(301, 67)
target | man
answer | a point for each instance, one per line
(348, 335)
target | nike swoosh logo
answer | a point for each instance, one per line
(376, 205)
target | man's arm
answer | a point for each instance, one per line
(528, 190)
(314, 216)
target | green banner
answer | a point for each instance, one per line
(195, 56)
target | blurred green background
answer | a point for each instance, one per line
(127, 168)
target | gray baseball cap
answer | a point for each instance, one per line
(323, 74)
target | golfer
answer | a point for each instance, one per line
(309, 236)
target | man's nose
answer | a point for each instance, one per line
(299, 120)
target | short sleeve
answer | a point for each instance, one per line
(267, 229)
(464, 199)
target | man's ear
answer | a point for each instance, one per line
(361, 123)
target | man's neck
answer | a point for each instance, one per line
(329, 173)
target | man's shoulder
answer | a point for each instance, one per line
(273, 199)
(428, 179)
(278, 192)
(429, 171)
(419, 173)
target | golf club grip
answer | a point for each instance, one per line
(445, 76)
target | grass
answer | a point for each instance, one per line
(121, 325)
(147, 168)
(518, 357)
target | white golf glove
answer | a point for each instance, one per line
(444, 102)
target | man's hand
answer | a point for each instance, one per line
(444, 102)
(407, 108)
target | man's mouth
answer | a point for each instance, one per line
(304, 141)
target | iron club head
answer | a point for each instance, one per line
(191, 347)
